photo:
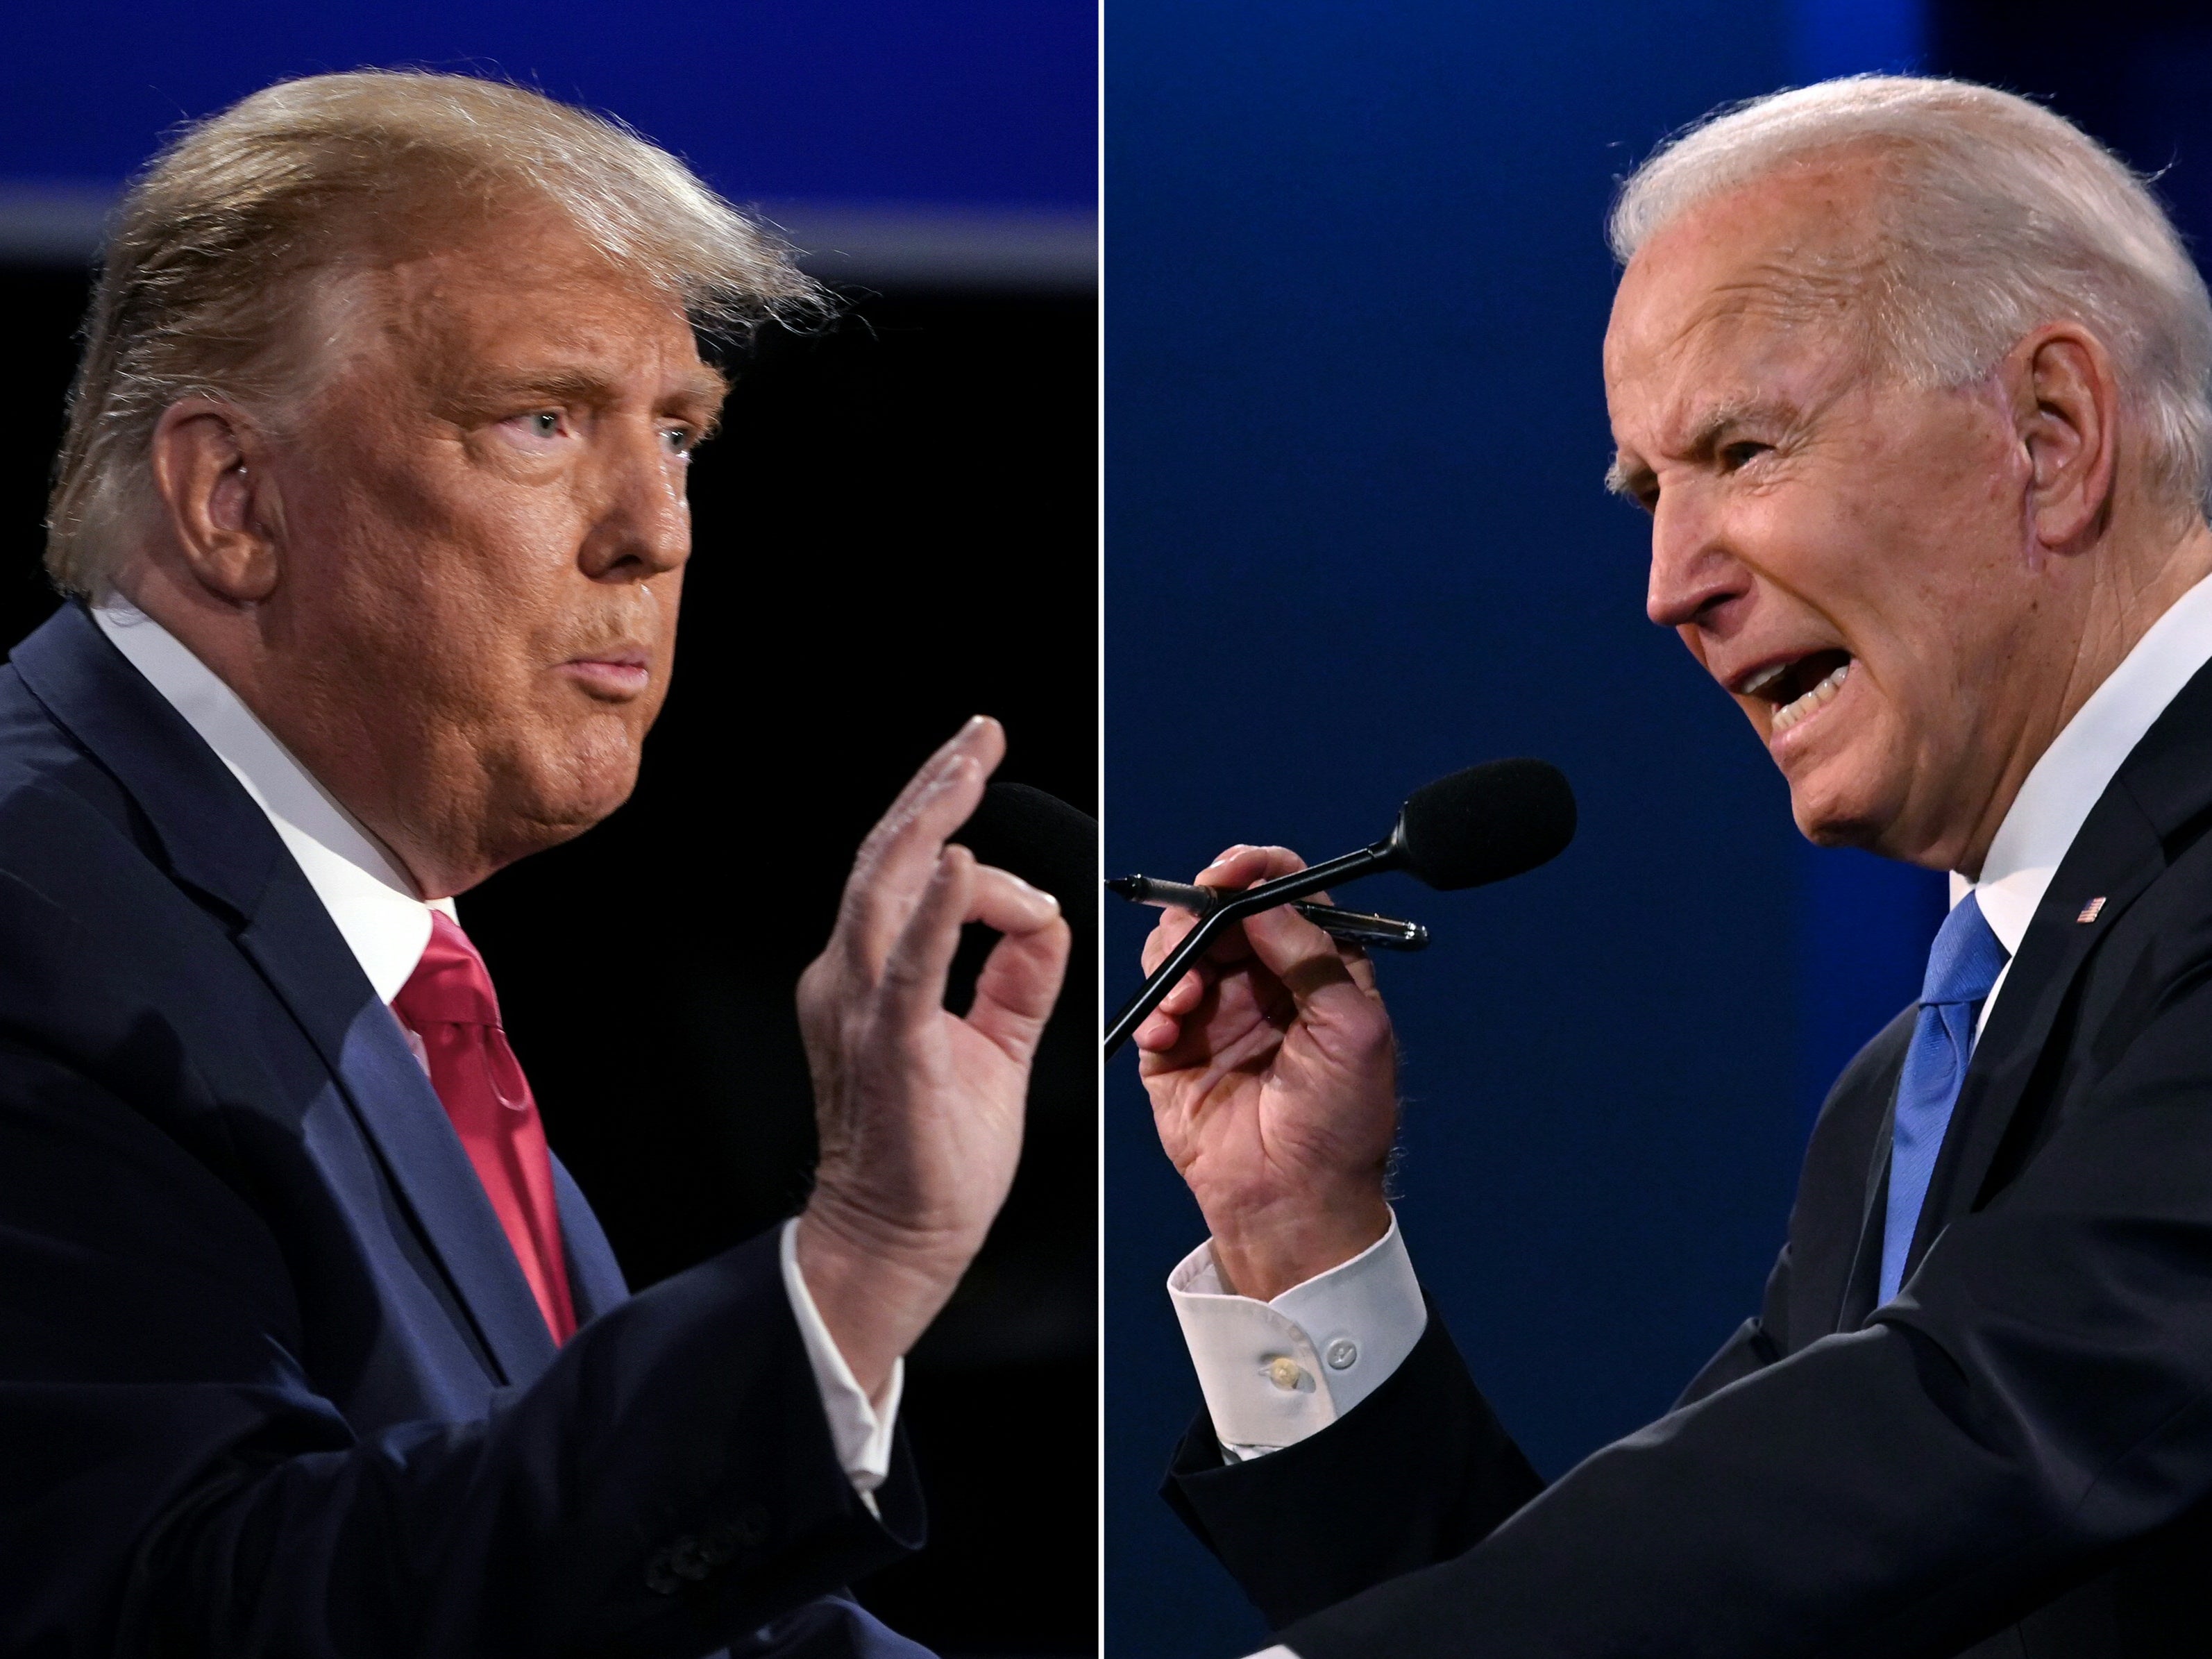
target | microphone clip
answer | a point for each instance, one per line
(1359, 927)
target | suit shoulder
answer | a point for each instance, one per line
(61, 811)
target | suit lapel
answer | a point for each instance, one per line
(2165, 781)
(1862, 1281)
(216, 841)
(595, 1278)
(303, 957)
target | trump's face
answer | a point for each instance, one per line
(1848, 555)
(483, 532)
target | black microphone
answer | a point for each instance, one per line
(1502, 818)
(1477, 826)
(1048, 844)
(1040, 838)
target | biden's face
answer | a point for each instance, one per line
(486, 528)
(1846, 554)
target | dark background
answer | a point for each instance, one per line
(896, 529)
(1356, 540)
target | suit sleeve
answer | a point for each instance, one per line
(2040, 1394)
(1423, 1470)
(171, 1484)
(1417, 1471)
(1756, 1344)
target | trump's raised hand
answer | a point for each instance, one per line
(919, 1110)
(1274, 1078)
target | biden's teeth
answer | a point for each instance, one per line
(1790, 712)
(1765, 677)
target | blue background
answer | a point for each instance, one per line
(970, 102)
(1356, 283)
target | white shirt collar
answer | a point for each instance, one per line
(374, 906)
(2074, 771)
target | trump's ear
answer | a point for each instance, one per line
(2065, 409)
(219, 509)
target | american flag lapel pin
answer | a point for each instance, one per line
(2092, 909)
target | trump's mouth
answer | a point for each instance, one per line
(614, 675)
(1799, 688)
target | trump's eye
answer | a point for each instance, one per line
(682, 440)
(538, 427)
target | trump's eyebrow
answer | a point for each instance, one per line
(704, 384)
(701, 389)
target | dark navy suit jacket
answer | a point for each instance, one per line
(2012, 1459)
(271, 1381)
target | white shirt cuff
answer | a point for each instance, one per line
(1274, 1372)
(1278, 1652)
(860, 1428)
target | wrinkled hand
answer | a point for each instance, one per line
(920, 1111)
(1274, 1084)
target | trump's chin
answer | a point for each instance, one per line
(539, 799)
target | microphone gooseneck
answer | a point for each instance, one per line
(1479, 825)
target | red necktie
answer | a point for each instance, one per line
(447, 1001)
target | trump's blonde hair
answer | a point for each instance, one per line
(218, 244)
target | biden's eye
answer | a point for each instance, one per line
(1741, 453)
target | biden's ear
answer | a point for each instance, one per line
(220, 506)
(2065, 403)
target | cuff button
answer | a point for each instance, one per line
(1342, 1353)
(1284, 1373)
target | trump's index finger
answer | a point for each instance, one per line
(897, 861)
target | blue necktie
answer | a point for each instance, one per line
(1962, 965)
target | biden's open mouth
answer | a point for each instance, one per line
(1800, 687)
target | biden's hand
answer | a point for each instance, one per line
(919, 1110)
(1273, 1076)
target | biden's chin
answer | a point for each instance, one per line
(1847, 798)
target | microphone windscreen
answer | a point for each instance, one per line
(1040, 838)
(1486, 823)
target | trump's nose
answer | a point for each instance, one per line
(642, 528)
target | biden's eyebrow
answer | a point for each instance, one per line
(1715, 423)
(1628, 478)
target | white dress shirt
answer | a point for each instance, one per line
(2073, 773)
(386, 927)
(1376, 1308)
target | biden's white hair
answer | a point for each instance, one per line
(222, 241)
(1994, 217)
